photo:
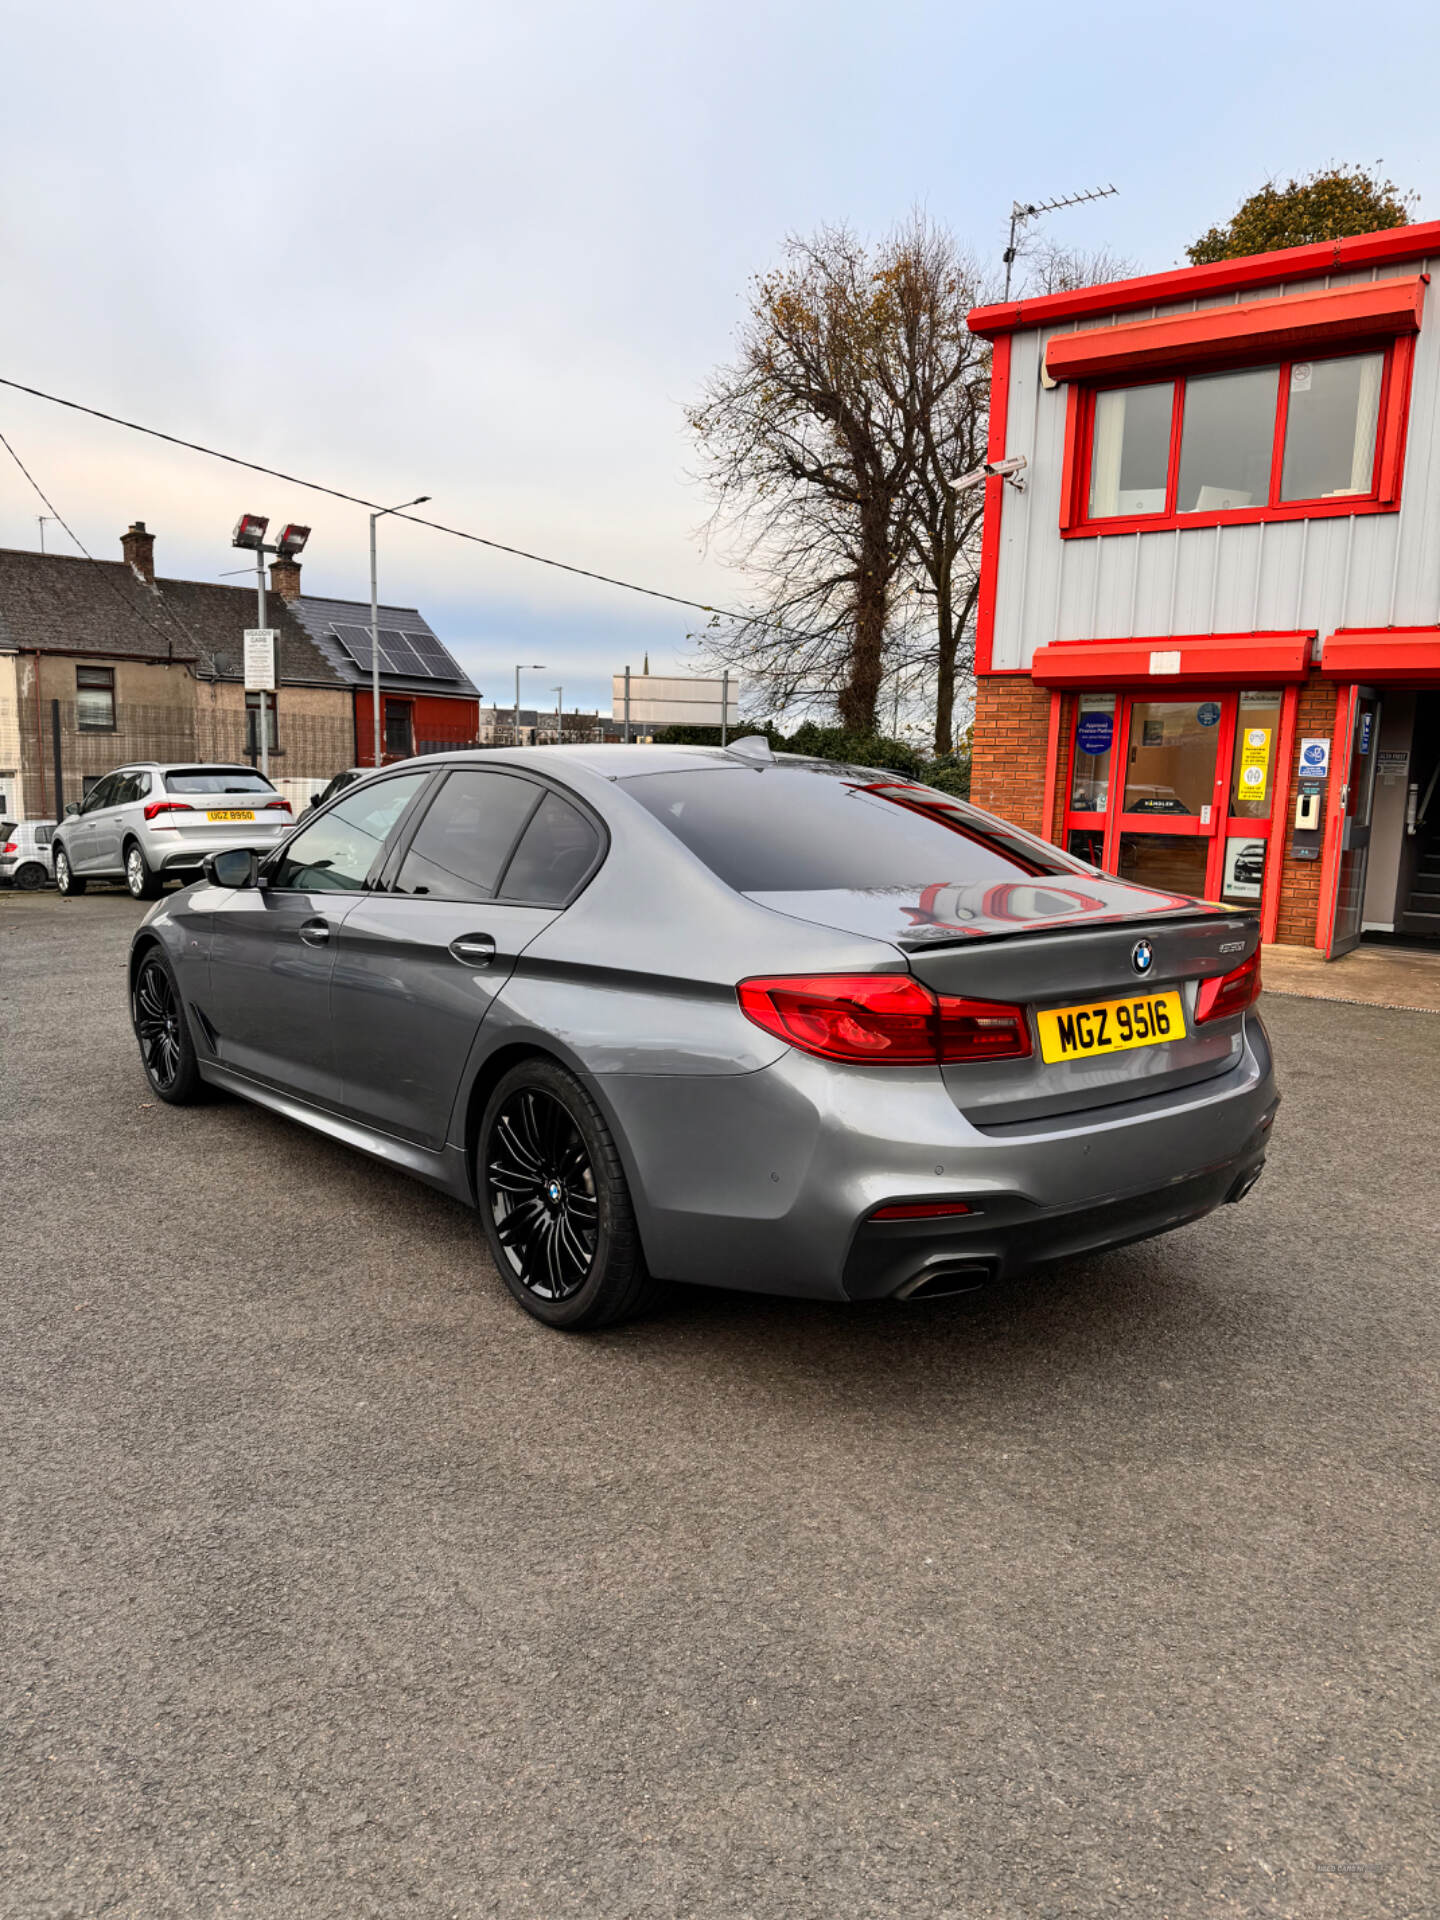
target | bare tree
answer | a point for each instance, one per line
(807, 459)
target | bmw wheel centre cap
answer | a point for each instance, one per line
(1142, 956)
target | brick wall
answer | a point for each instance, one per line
(1012, 730)
(1300, 880)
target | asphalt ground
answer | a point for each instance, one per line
(334, 1586)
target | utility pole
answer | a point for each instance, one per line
(1022, 210)
(559, 693)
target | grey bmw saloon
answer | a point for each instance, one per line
(712, 1015)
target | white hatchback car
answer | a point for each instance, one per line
(151, 823)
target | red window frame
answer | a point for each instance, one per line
(1383, 497)
(1222, 825)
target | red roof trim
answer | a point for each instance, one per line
(1384, 654)
(1176, 659)
(1223, 276)
(1373, 309)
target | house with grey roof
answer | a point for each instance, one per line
(104, 662)
(427, 701)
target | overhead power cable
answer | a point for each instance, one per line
(416, 519)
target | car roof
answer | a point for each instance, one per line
(610, 762)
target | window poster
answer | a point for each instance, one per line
(1254, 763)
(1244, 869)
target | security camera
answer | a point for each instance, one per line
(993, 470)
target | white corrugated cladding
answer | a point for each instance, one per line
(1375, 569)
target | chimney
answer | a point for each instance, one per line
(138, 547)
(285, 579)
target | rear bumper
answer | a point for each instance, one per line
(191, 858)
(765, 1181)
(918, 1259)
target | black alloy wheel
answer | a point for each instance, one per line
(555, 1203)
(541, 1189)
(31, 877)
(166, 1049)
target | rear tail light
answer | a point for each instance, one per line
(10, 846)
(157, 807)
(1229, 992)
(277, 806)
(882, 1020)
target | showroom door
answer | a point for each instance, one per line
(1172, 797)
(1357, 799)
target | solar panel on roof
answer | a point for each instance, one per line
(420, 656)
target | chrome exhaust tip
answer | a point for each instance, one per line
(946, 1283)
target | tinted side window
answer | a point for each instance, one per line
(793, 829)
(335, 853)
(554, 855)
(127, 788)
(101, 794)
(465, 838)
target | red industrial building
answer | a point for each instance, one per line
(1208, 651)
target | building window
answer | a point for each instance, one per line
(252, 725)
(399, 737)
(95, 699)
(1255, 441)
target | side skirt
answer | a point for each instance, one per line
(445, 1169)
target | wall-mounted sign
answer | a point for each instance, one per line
(1392, 764)
(1367, 720)
(1315, 758)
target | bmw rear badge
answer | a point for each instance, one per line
(1142, 956)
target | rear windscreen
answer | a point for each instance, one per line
(216, 780)
(786, 829)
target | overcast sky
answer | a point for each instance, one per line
(489, 252)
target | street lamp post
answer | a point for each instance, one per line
(418, 501)
(559, 693)
(533, 666)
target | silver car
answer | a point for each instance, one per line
(714, 1016)
(25, 853)
(149, 823)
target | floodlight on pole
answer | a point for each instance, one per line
(380, 514)
(250, 531)
(1023, 210)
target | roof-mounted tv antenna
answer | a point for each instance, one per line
(1022, 211)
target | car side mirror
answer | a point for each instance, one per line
(314, 799)
(72, 806)
(236, 867)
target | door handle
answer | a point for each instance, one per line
(473, 949)
(315, 933)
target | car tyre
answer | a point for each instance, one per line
(141, 882)
(31, 877)
(162, 1032)
(555, 1203)
(66, 879)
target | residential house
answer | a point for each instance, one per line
(102, 662)
(427, 701)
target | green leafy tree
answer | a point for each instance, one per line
(1326, 205)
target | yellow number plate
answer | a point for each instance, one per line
(1110, 1026)
(230, 813)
